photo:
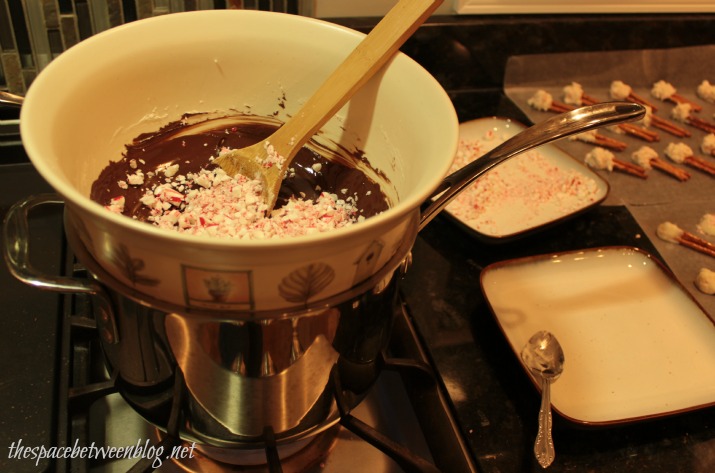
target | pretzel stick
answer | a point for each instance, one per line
(694, 246)
(633, 130)
(639, 132)
(588, 100)
(665, 91)
(670, 232)
(543, 101)
(676, 172)
(602, 159)
(681, 112)
(631, 169)
(611, 143)
(682, 153)
(559, 107)
(700, 164)
(696, 240)
(600, 140)
(669, 127)
(700, 124)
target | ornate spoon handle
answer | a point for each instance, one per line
(544, 445)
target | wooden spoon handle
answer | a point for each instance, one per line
(364, 61)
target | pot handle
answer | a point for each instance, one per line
(16, 249)
(11, 100)
(560, 126)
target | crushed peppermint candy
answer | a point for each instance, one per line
(136, 179)
(274, 158)
(116, 205)
(522, 193)
(212, 203)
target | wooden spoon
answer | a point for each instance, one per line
(269, 159)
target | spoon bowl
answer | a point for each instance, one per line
(544, 357)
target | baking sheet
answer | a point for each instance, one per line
(660, 197)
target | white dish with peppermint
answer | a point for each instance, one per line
(528, 192)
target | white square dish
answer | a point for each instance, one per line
(636, 343)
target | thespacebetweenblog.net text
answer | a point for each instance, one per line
(143, 449)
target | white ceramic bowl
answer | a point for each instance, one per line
(96, 97)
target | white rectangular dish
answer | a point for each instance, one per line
(527, 192)
(636, 343)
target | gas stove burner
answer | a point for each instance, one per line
(300, 456)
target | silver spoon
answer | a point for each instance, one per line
(544, 356)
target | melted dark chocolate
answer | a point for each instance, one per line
(192, 152)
